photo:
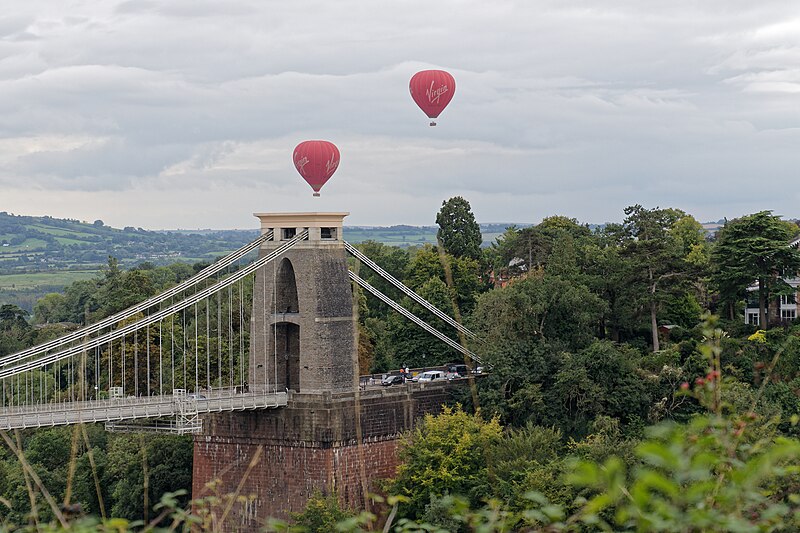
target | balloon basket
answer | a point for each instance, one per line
(315, 194)
(433, 123)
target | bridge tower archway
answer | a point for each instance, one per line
(286, 334)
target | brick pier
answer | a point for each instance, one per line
(310, 445)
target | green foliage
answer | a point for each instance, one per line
(426, 264)
(704, 476)
(529, 458)
(603, 379)
(391, 259)
(391, 339)
(413, 346)
(726, 470)
(657, 242)
(118, 466)
(683, 310)
(458, 232)
(445, 454)
(321, 514)
(540, 306)
(754, 247)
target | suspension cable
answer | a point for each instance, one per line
(148, 360)
(160, 358)
(196, 351)
(155, 317)
(219, 339)
(241, 336)
(411, 316)
(129, 312)
(413, 295)
(208, 346)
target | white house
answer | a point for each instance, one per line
(788, 305)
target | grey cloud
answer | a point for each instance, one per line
(583, 107)
(11, 26)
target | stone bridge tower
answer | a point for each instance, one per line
(302, 322)
(332, 436)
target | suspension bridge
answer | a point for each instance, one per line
(243, 334)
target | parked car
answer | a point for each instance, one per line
(457, 368)
(388, 381)
(431, 375)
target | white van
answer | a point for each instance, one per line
(432, 375)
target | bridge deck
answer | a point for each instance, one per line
(58, 414)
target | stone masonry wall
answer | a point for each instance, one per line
(309, 445)
(324, 315)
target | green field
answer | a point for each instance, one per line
(57, 231)
(405, 236)
(67, 241)
(29, 245)
(44, 279)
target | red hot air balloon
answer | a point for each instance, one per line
(432, 90)
(316, 161)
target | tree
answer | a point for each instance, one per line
(459, 234)
(464, 283)
(540, 306)
(49, 308)
(753, 248)
(656, 257)
(603, 379)
(414, 346)
(12, 315)
(390, 258)
(446, 454)
(15, 332)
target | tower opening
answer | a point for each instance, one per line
(286, 335)
(286, 289)
(287, 348)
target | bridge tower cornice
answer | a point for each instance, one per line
(324, 228)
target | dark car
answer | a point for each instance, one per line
(457, 368)
(393, 380)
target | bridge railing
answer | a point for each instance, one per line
(92, 411)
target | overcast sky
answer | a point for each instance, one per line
(184, 113)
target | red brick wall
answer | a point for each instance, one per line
(286, 476)
(308, 445)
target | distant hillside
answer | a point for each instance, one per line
(44, 254)
(36, 244)
(41, 244)
(406, 236)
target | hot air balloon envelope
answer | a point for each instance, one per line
(316, 161)
(432, 90)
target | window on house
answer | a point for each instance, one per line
(273, 235)
(788, 314)
(752, 318)
(788, 299)
(288, 233)
(327, 233)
